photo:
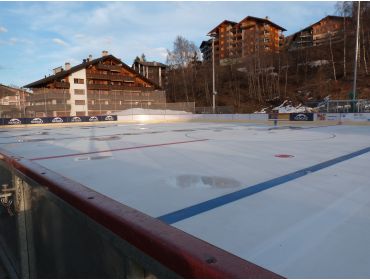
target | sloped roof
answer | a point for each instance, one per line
(8, 91)
(327, 17)
(224, 22)
(151, 63)
(264, 20)
(205, 43)
(65, 73)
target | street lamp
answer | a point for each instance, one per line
(356, 52)
(213, 35)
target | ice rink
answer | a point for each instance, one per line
(294, 200)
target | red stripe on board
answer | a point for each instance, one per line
(120, 149)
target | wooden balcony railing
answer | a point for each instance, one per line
(61, 85)
(97, 76)
(110, 77)
(119, 87)
(115, 77)
(128, 79)
(48, 107)
(109, 67)
(97, 86)
(48, 96)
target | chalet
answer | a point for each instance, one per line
(12, 101)
(206, 49)
(154, 71)
(319, 33)
(234, 41)
(94, 87)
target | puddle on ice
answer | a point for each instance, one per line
(197, 181)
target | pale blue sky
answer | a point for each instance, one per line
(36, 37)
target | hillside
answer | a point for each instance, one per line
(302, 75)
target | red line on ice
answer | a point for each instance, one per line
(120, 149)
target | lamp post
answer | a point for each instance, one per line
(213, 73)
(356, 52)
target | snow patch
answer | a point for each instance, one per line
(141, 111)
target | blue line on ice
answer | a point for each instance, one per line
(205, 206)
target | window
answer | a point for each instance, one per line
(78, 81)
(80, 102)
(79, 91)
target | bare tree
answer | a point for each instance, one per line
(344, 9)
(180, 60)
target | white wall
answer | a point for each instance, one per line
(189, 117)
(81, 74)
(335, 117)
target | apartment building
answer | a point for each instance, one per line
(206, 50)
(319, 33)
(94, 87)
(12, 101)
(154, 71)
(235, 41)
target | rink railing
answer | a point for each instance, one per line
(53, 227)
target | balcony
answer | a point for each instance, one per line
(101, 107)
(128, 79)
(117, 87)
(48, 107)
(98, 86)
(116, 77)
(115, 68)
(61, 85)
(48, 96)
(120, 87)
(97, 76)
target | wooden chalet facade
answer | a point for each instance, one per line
(235, 41)
(319, 33)
(94, 87)
(12, 101)
(152, 70)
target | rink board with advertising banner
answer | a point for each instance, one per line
(50, 120)
(301, 117)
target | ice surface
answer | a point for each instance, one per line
(314, 226)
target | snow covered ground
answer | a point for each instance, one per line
(295, 200)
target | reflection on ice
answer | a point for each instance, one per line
(197, 181)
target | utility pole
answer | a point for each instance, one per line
(356, 52)
(213, 74)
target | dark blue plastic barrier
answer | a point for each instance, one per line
(301, 117)
(48, 120)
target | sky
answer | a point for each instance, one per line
(36, 37)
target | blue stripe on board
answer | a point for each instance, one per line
(196, 209)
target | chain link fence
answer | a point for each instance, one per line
(217, 110)
(341, 106)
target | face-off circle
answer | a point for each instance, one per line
(283, 156)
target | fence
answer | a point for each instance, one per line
(53, 227)
(218, 110)
(177, 108)
(342, 106)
